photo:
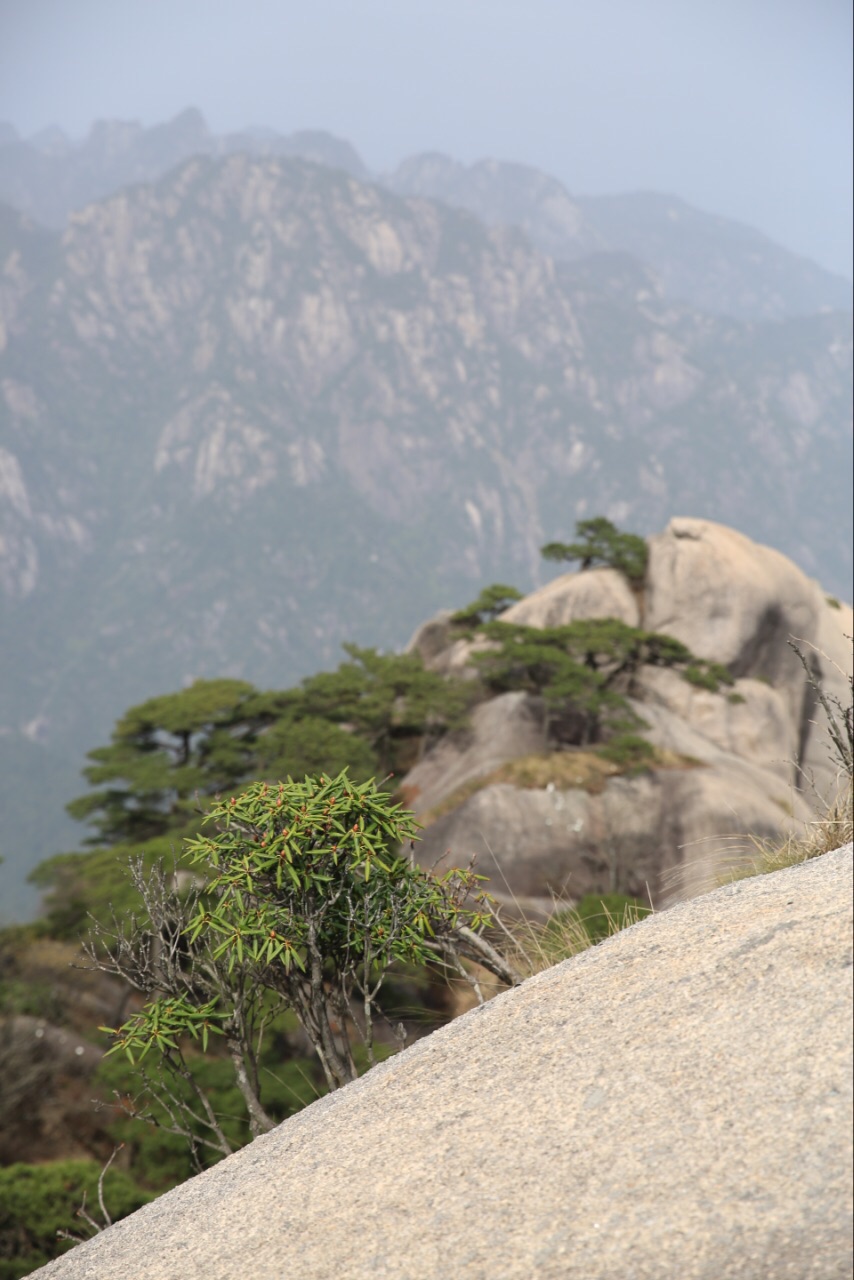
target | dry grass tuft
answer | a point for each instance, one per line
(530, 946)
(812, 840)
(574, 768)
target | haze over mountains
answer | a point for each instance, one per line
(713, 263)
(255, 403)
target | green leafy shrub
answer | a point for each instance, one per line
(37, 1201)
(584, 672)
(373, 716)
(164, 1154)
(301, 903)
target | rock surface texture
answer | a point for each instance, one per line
(746, 760)
(673, 1104)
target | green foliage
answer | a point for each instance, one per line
(162, 1158)
(601, 543)
(709, 675)
(372, 716)
(584, 672)
(490, 603)
(165, 751)
(171, 750)
(833, 602)
(36, 1201)
(389, 701)
(305, 906)
(299, 745)
(735, 698)
(545, 662)
(628, 750)
(602, 914)
(78, 886)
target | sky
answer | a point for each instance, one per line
(741, 107)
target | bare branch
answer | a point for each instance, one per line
(488, 956)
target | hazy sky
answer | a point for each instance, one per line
(741, 107)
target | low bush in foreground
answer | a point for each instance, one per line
(38, 1201)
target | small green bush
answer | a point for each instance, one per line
(161, 1159)
(37, 1201)
(628, 750)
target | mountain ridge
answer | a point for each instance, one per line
(720, 265)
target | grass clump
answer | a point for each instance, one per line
(532, 946)
(583, 769)
(629, 751)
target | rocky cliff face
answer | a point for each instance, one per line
(261, 407)
(750, 759)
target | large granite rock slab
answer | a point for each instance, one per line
(675, 1104)
(597, 593)
(502, 729)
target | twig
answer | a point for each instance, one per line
(82, 1211)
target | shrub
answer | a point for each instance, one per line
(301, 904)
(37, 1201)
(628, 750)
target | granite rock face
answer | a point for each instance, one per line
(598, 593)
(748, 760)
(674, 1104)
(736, 602)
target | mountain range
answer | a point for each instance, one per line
(712, 263)
(256, 403)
